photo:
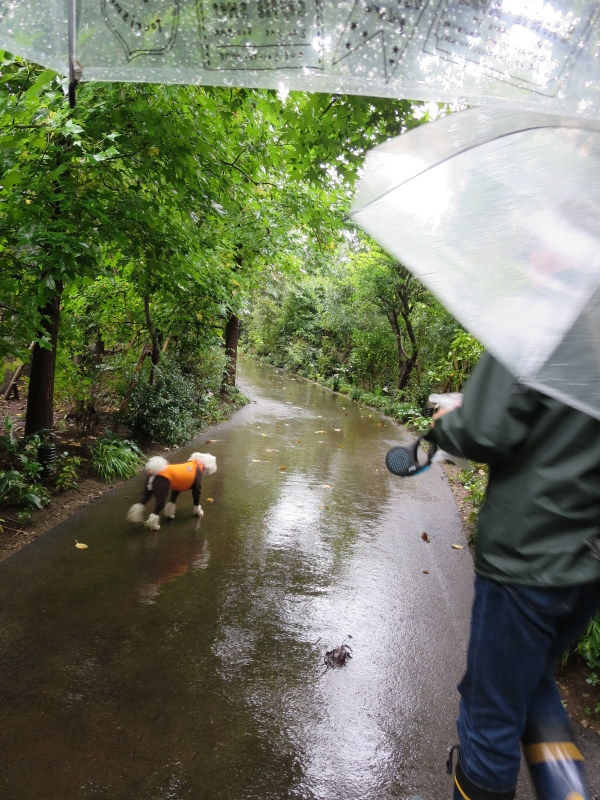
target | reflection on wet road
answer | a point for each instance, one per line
(188, 663)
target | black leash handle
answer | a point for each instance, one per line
(404, 461)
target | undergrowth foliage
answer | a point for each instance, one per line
(167, 410)
(21, 474)
(113, 458)
(589, 649)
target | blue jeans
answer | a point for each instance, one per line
(518, 633)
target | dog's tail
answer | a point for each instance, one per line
(208, 460)
(156, 464)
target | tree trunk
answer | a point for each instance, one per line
(412, 359)
(154, 340)
(232, 335)
(138, 368)
(40, 397)
(406, 371)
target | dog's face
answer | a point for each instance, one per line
(208, 461)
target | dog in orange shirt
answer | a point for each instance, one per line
(163, 477)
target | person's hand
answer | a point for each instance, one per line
(448, 401)
(445, 410)
(441, 411)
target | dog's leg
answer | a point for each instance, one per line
(160, 490)
(136, 511)
(170, 506)
(153, 522)
(196, 489)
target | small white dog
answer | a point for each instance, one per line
(162, 477)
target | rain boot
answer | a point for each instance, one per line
(555, 763)
(465, 789)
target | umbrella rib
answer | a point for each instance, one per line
(351, 214)
(72, 19)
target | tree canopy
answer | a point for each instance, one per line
(149, 219)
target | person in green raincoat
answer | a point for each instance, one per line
(537, 583)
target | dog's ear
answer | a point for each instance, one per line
(207, 460)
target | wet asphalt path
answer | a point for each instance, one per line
(188, 663)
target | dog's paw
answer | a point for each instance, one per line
(198, 511)
(170, 511)
(136, 513)
(153, 522)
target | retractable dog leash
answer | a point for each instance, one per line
(404, 461)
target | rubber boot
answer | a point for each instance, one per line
(555, 763)
(465, 789)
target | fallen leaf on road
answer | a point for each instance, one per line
(457, 546)
(425, 536)
(80, 545)
(209, 500)
(425, 572)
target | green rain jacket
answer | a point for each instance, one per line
(543, 497)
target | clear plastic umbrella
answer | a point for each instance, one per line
(538, 55)
(498, 214)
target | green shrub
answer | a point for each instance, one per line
(356, 393)
(589, 649)
(300, 357)
(67, 468)
(20, 484)
(475, 482)
(409, 414)
(113, 458)
(16, 490)
(167, 411)
(8, 441)
(30, 467)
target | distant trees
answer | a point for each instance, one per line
(363, 321)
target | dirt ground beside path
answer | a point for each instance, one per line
(579, 697)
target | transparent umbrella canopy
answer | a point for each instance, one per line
(538, 55)
(497, 213)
